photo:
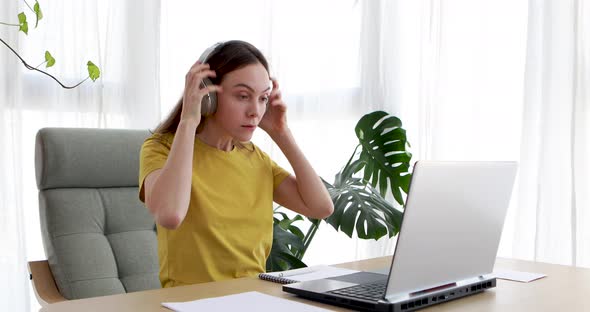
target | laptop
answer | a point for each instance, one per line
(446, 247)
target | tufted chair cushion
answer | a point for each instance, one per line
(98, 237)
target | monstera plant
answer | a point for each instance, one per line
(379, 165)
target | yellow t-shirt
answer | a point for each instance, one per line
(227, 231)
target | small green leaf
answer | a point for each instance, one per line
(93, 71)
(22, 21)
(38, 13)
(49, 59)
(22, 18)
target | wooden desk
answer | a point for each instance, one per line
(564, 289)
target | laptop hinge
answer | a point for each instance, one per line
(419, 292)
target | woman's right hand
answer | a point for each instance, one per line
(194, 91)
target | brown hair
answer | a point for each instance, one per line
(227, 57)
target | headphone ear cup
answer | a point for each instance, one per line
(209, 101)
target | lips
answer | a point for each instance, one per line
(249, 127)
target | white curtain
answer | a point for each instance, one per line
(552, 222)
(122, 38)
(451, 71)
(501, 80)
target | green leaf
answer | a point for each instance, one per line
(383, 151)
(287, 223)
(38, 13)
(22, 18)
(282, 256)
(93, 71)
(359, 206)
(49, 59)
(350, 169)
(22, 21)
(282, 261)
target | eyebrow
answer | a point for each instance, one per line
(248, 87)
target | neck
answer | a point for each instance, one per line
(214, 136)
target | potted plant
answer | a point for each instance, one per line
(380, 166)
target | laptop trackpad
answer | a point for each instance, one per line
(360, 277)
(337, 282)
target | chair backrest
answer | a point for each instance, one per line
(98, 237)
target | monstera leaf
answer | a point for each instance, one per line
(358, 199)
(357, 205)
(385, 163)
(384, 154)
(285, 244)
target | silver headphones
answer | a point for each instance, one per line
(209, 101)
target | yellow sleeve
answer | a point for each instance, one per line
(153, 156)
(279, 174)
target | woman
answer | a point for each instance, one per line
(209, 189)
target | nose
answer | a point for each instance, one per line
(255, 110)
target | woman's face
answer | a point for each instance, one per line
(242, 103)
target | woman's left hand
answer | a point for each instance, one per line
(274, 121)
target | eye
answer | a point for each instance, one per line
(243, 96)
(264, 99)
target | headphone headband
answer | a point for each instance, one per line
(205, 56)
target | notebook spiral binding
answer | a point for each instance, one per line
(276, 279)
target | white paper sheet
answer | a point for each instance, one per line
(517, 276)
(248, 301)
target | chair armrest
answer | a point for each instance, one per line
(43, 283)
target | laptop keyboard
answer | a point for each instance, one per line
(371, 291)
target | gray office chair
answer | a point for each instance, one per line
(98, 237)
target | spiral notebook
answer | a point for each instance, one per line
(304, 274)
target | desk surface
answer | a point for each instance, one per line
(564, 289)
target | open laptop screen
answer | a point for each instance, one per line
(452, 223)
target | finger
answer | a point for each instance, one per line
(209, 89)
(275, 83)
(274, 91)
(205, 74)
(197, 68)
(200, 65)
(278, 107)
(196, 63)
(278, 103)
(197, 77)
(200, 71)
(276, 95)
